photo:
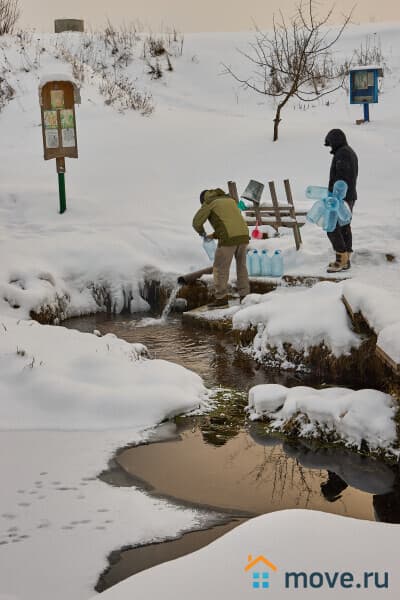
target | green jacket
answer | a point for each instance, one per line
(225, 217)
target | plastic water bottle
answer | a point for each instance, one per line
(255, 265)
(340, 189)
(265, 264)
(210, 246)
(316, 212)
(331, 214)
(344, 213)
(316, 192)
(248, 261)
(277, 264)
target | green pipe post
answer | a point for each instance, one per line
(61, 188)
(60, 162)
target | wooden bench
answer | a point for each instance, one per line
(276, 215)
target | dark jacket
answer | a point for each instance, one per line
(344, 163)
(225, 217)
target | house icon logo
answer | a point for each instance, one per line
(260, 575)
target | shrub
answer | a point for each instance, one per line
(6, 92)
(121, 93)
(9, 15)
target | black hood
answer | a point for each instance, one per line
(335, 139)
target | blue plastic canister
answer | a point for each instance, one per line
(331, 214)
(255, 265)
(210, 246)
(265, 264)
(277, 264)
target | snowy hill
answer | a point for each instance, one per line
(131, 197)
(132, 193)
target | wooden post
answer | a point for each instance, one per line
(232, 188)
(275, 203)
(292, 212)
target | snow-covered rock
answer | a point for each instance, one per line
(353, 417)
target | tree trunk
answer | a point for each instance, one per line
(277, 120)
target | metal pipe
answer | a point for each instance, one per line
(191, 277)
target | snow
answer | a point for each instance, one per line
(389, 341)
(303, 318)
(49, 77)
(380, 308)
(58, 523)
(353, 417)
(69, 401)
(72, 388)
(133, 191)
(295, 540)
(131, 197)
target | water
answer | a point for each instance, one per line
(208, 353)
(151, 321)
(251, 473)
(221, 462)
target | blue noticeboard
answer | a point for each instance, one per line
(364, 85)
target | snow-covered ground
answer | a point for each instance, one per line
(132, 193)
(321, 547)
(130, 200)
(69, 400)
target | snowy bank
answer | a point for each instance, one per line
(69, 401)
(304, 319)
(57, 378)
(293, 541)
(380, 309)
(361, 419)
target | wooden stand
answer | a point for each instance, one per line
(276, 215)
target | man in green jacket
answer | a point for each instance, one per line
(232, 233)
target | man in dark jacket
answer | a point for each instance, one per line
(344, 166)
(232, 233)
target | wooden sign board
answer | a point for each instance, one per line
(58, 120)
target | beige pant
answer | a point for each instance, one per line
(222, 263)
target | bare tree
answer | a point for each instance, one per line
(9, 15)
(294, 60)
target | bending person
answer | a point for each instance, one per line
(232, 233)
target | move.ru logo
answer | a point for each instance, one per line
(258, 567)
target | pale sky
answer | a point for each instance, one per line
(188, 15)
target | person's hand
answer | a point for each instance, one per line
(209, 237)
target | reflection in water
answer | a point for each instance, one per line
(253, 474)
(345, 468)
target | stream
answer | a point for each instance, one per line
(222, 462)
